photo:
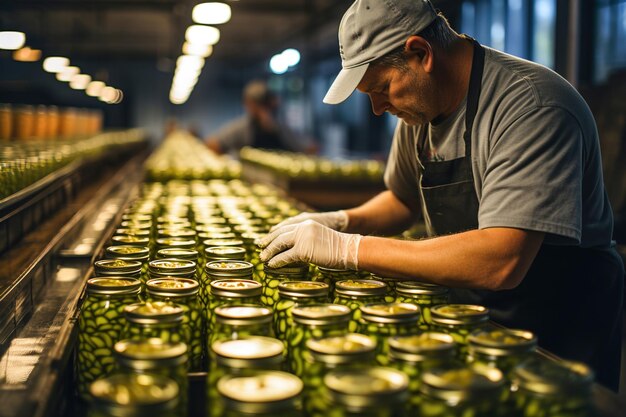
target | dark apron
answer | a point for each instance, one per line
(571, 297)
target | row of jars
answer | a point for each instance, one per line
(26, 122)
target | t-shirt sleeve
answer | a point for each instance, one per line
(234, 135)
(533, 176)
(402, 173)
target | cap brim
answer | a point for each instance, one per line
(345, 84)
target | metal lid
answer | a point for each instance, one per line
(358, 389)
(178, 253)
(127, 252)
(137, 217)
(229, 269)
(225, 252)
(222, 242)
(236, 288)
(243, 315)
(417, 288)
(291, 269)
(321, 314)
(152, 353)
(211, 220)
(129, 394)
(333, 271)
(215, 235)
(249, 352)
(303, 289)
(167, 266)
(250, 234)
(116, 265)
(361, 288)
(113, 286)
(175, 242)
(547, 377)
(262, 392)
(390, 313)
(501, 342)
(133, 232)
(339, 350)
(176, 232)
(136, 224)
(130, 240)
(212, 229)
(456, 383)
(425, 346)
(172, 287)
(155, 312)
(459, 314)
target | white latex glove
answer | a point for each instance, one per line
(336, 220)
(310, 242)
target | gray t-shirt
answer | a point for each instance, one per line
(535, 155)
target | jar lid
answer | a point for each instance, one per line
(416, 288)
(302, 289)
(358, 389)
(178, 253)
(172, 219)
(225, 252)
(456, 383)
(134, 393)
(501, 342)
(243, 315)
(212, 228)
(175, 242)
(459, 314)
(229, 268)
(127, 252)
(113, 286)
(215, 235)
(548, 377)
(222, 242)
(236, 288)
(151, 353)
(421, 347)
(390, 313)
(340, 350)
(250, 234)
(166, 266)
(291, 269)
(155, 312)
(321, 314)
(360, 288)
(249, 352)
(211, 220)
(130, 240)
(116, 265)
(136, 224)
(137, 217)
(172, 287)
(176, 232)
(333, 271)
(262, 392)
(132, 232)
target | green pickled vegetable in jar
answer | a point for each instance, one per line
(424, 295)
(252, 254)
(153, 319)
(274, 276)
(357, 293)
(501, 348)
(131, 253)
(100, 326)
(183, 292)
(459, 320)
(241, 320)
(331, 276)
(295, 293)
(384, 320)
(230, 292)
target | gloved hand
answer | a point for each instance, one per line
(336, 220)
(312, 242)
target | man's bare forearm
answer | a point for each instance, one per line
(384, 214)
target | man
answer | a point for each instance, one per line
(259, 127)
(501, 159)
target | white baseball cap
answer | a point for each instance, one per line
(369, 30)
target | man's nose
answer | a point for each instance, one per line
(379, 104)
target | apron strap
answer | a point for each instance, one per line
(473, 95)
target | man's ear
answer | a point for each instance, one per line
(420, 52)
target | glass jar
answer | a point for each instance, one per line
(222, 269)
(392, 283)
(133, 232)
(253, 252)
(367, 392)
(134, 395)
(178, 232)
(153, 319)
(236, 321)
(356, 293)
(128, 240)
(178, 253)
(100, 325)
(174, 242)
(313, 322)
(184, 293)
(178, 268)
(209, 228)
(274, 276)
(424, 295)
(332, 276)
(296, 293)
(202, 236)
(210, 243)
(417, 353)
(388, 319)
(459, 391)
(117, 268)
(131, 253)
(501, 348)
(222, 253)
(265, 394)
(332, 353)
(459, 320)
(155, 357)
(240, 357)
(547, 388)
(133, 223)
(228, 292)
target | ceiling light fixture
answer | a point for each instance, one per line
(202, 35)
(95, 88)
(55, 63)
(67, 73)
(213, 13)
(197, 49)
(80, 81)
(12, 40)
(27, 54)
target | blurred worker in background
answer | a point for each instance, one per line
(259, 127)
(501, 159)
